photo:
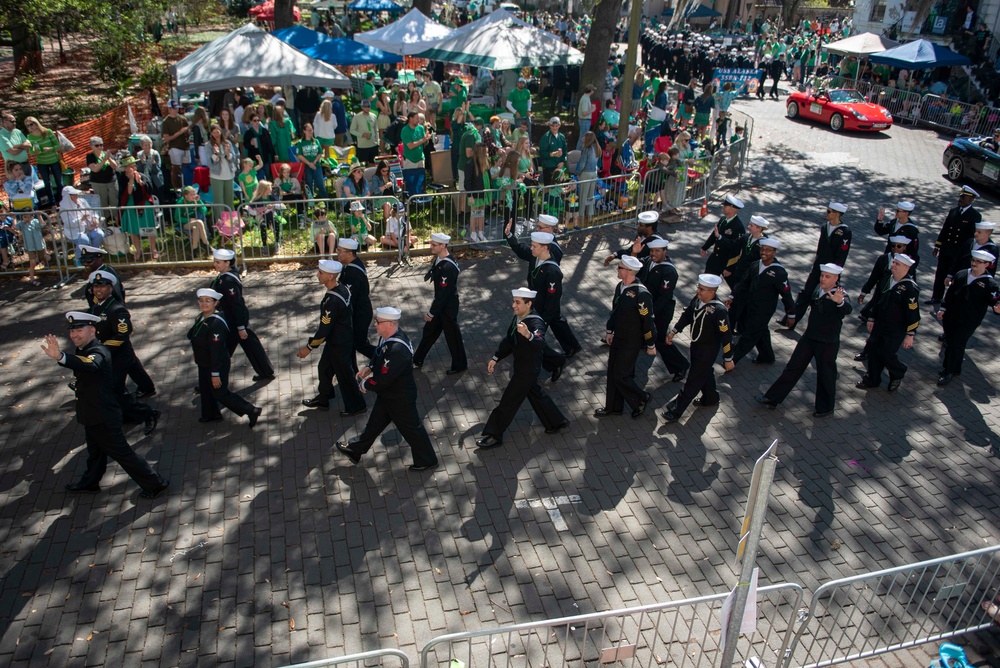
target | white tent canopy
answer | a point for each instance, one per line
(504, 45)
(864, 44)
(412, 33)
(249, 56)
(498, 16)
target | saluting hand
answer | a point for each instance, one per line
(51, 346)
(509, 227)
(838, 296)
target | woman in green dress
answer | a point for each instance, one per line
(135, 196)
(282, 131)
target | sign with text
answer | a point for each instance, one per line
(745, 81)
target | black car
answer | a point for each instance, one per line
(967, 160)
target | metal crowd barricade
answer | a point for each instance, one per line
(682, 633)
(373, 658)
(959, 117)
(49, 256)
(876, 613)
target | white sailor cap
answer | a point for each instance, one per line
(544, 238)
(985, 225)
(903, 258)
(983, 255)
(547, 220)
(905, 206)
(649, 217)
(760, 221)
(831, 268)
(770, 243)
(837, 206)
(630, 263)
(101, 276)
(524, 293)
(223, 254)
(732, 200)
(209, 292)
(658, 243)
(388, 313)
(440, 238)
(709, 280)
(899, 239)
(92, 250)
(348, 243)
(330, 266)
(966, 190)
(76, 319)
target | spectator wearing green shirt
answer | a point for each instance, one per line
(470, 137)
(368, 87)
(310, 153)
(458, 92)
(13, 144)
(519, 100)
(45, 148)
(552, 148)
(414, 136)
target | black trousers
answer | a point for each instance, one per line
(143, 383)
(452, 336)
(132, 411)
(338, 361)
(107, 440)
(955, 340)
(253, 349)
(621, 386)
(671, 355)
(564, 334)
(774, 88)
(401, 412)
(945, 260)
(521, 386)
(883, 354)
(756, 333)
(805, 295)
(701, 378)
(807, 350)
(212, 397)
(552, 359)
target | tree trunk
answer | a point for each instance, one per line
(789, 8)
(284, 17)
(424, 6)
(602, 34)
(27, 51)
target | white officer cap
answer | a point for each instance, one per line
(77, 319)
(966, 190)
(630, 263)
(223, 254)
(649, 217)
(905, 206)
(543, 238)
(732, 200)
(903, 258)
(831, 268)
(985, 225)
(440, 238)
(983, 255)
(760, 221)
(547, 220)
(209, 292)
(388, 313)
(330, 266)
(658, 243)
(93, 250)
(348, 243)
(709, 280)
(524, 293)
(837, 206)
(103, 275)
(770, 243)
(899, 239)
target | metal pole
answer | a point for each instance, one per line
(635, 22)
(759, 511)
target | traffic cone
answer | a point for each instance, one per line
(704, 208)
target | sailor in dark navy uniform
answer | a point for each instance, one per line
(443, 313)
(336, 335)
(833, 248)
(723, 246)
(97, 409)
(234, 309)
(355, 277)
(959, 226)
(901, 226)
(550, 224)
(893, 322)
(980, 241)
(661, 281)
(645, 232)
(389, 375)
(749, 254)
(970, 294)
(758, 293)
(524, 339)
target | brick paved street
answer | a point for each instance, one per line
(271, 549)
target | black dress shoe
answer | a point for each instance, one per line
(214, 418)
(932, 302)
(316, 402)
(641, 408)
(156, 491)
(679, 376)
(488, 441)
(758, 360)
(941, 337)
(573, 352)
(353, 413)
(346, 449)
(944, 379)
(894, 384)
(254, 415)
(151, 423)
(452, 372)
(258, 377)
(80, 487)
(823, 414)
(861, 357)
(863, 384)
(701, 402)
(770, 403)
(670, 417)
(143, 395)
(604, 412)
(557, 372)
(558, 428)
(422, 467)
(417, 365)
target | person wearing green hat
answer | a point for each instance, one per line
(135, 196)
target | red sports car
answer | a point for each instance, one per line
(841, 108)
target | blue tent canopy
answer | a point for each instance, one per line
(333, 51)
(374, 6)
(700, 12)
(919, 55)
